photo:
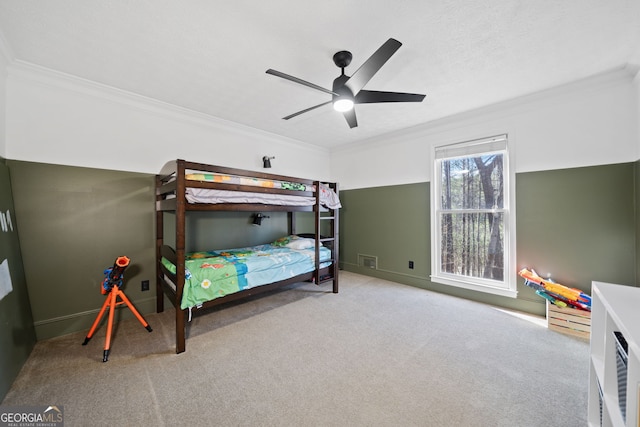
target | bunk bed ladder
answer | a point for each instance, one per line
(330, 216)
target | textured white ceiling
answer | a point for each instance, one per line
(211, 56)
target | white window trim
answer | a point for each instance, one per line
(508, 288)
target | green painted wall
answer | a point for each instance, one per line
(577, 224)
(74, 222)
(17, 335)
(391, 223)
(226, 230)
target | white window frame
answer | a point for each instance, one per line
(494, 144)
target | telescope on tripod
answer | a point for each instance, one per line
(113, 280)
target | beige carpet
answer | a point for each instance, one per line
(376, 354)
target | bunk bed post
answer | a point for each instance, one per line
(159, 243)
(336, 244)
(180, 253)
(316, 208)
(291, 216)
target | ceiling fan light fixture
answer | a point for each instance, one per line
(347, 89)
(343, 104)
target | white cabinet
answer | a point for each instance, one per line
(614, 386)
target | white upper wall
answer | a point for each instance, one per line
(60, 119)
(5, 59)
(636, 85)
(590, 122)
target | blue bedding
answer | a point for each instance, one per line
(214, 274)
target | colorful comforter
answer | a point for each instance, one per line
(214, 274)
(256, 182)
(328, 197)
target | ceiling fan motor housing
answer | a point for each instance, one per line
(340, 88)
(342, 59)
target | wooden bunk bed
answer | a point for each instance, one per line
(183, 186)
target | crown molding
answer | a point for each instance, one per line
(622, 74)
(32, 73)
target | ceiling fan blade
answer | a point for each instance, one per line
(299, 81)
(305, 110)
(372, 65)
(372, 96)
(351, 118)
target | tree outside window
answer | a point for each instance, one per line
(471, 232)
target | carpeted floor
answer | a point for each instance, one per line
(376, 354)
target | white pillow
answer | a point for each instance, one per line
(301, 244)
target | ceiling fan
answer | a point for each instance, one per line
(348, 90)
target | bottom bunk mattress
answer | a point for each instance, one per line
(214, 274)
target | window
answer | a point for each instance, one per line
(473, 226)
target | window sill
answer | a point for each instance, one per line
(487, 289)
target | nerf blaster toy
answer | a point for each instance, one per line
(556, 293)
(551, 299)
(113, 275)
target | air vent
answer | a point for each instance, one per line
(368, 261)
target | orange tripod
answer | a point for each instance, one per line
(111, 284)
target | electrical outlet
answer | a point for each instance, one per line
(411, 265)
(144, 285)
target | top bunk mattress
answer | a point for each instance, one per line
(328, 196)
(212, 196)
